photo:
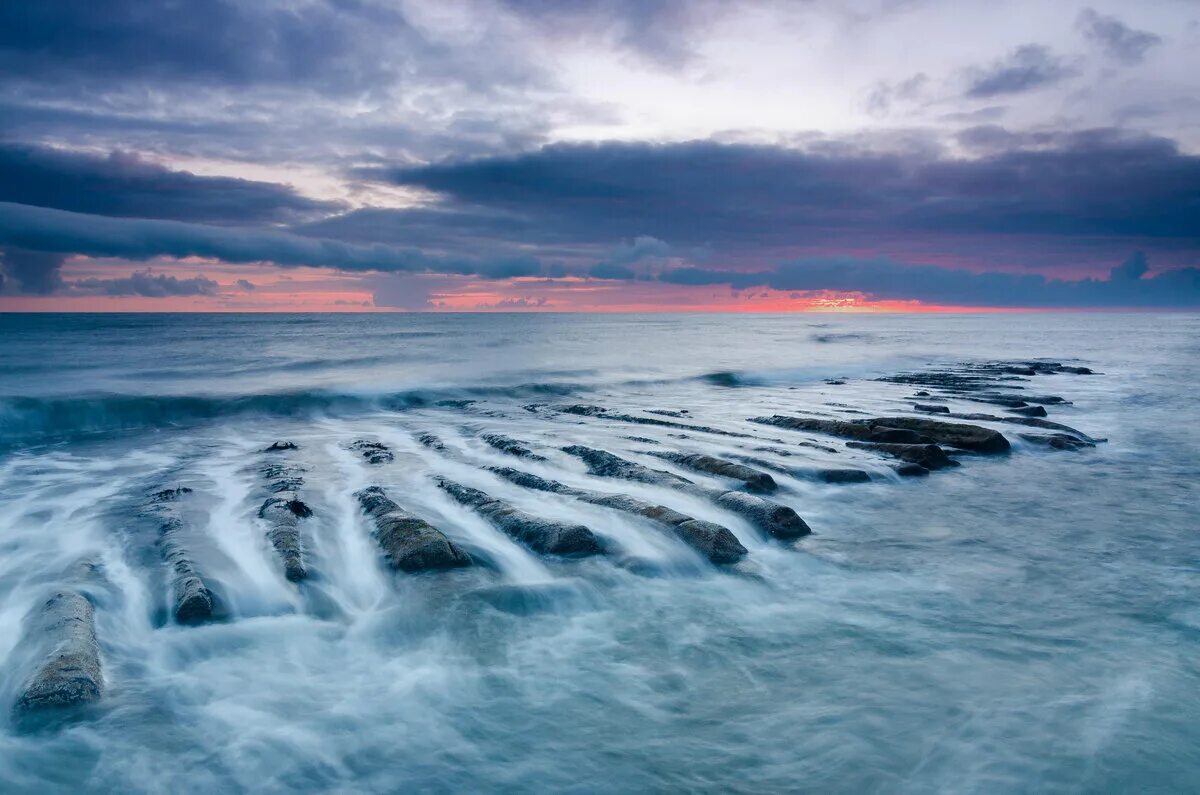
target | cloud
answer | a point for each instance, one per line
(1028, 67)
(246, 285)
(34, 272)
(149, 285)
(123, 184)
(36, 229)
(886, 279)
(1101, 183)
(1118, 41)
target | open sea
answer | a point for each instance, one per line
(1024, 622)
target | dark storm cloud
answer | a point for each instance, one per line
(1098, 183)
(39, 237)
(1118, 40)
(271, 79)
(1027, 67)
(886, 279)
(321, 44)
(33, 272)
(124, 185)
(149, 285)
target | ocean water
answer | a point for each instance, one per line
(1028, 622)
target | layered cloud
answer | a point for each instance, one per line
(599, 145)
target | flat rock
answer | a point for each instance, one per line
(751, 478)
(374, 452)
(409, 543)
(929, 456)
(70, 673)
(511, 446)
(546, 536)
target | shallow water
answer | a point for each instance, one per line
(1028, 622)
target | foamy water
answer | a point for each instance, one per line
(1027, 622)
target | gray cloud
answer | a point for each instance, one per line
(124, 185)
(1100, 183)
(149, 285)
(885, 279)
(1028, 67)
(1118, 40)
(41, 235)
(34, 272)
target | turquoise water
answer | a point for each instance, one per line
(1027, 623)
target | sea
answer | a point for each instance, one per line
(1024, 622)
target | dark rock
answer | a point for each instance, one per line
(929, 456)
(713, 541)
(1030, 411)
(835, 382)
(546, 536)
(842, 476)
(910, 470)
(751, 478)
(605, 464)
(511, 446)
(279, 447)
(668, 413)
(408, 542)
(922, 393)
(431, 441)
(849, 429)
(950, 434)
(284, 534)
(193, 600)
(69, 675)
(642, 439)
(374, 452)
(1076, 370)
(1057, 441)
(932, 408)
(455, 404)
(777, 520)
(596, 411)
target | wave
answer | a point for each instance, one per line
(25, 419)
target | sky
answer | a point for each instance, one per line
(599, 155)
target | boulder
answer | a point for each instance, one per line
(511, 446)
(284, 517)
(932, 408)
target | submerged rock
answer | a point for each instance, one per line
(409, 543)
(772, 518)
(715, 542)
(932, 408)
(374, 452)
(929, 456)
(284, 517)
(431, 441)
(511, 446)
(597, 411)
(193, 600)
(753, 479)
(898, 430)
(842, 475)
(546, 536)
(279, 447)
(70, 673)
(1057, 441)
(1030, 411)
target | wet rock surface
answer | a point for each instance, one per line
(928, 456)
(68, 674)
(194, 602)
(715, 542)
(772, 518)
(409, 543)
(898, 430)
(752, 479)
(514, 447)
(546, 536)
(373, 452)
